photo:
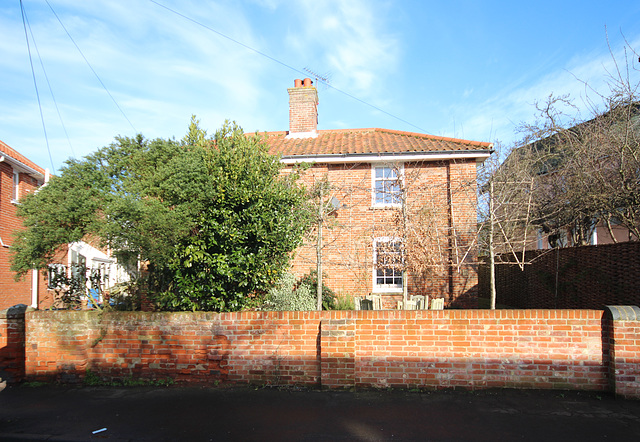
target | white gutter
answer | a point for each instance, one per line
(21, 167)
(383, 158)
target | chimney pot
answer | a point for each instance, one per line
(307, 82)
(297, 83)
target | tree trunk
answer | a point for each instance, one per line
(319, 252)
(492, 257)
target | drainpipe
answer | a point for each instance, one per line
(2, 244)
(34, 288)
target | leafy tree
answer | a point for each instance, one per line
(213, 219)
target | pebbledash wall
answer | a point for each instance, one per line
(543, 349)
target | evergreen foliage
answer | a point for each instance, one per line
(288, 295)
(213, 219)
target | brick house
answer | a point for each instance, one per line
(576, 161)
(402, 206)
(18, 176)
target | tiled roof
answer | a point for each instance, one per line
(15, 155)
(367, 141)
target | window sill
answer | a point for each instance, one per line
(390, 290)
(385, 206)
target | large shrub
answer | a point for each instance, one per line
(288, 295)
(213, 220)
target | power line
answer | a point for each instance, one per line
(64, 128)
(281, 63)
(35, 83)
(90, 67)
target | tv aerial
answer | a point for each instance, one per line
(324, 79)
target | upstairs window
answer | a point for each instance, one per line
(388, 264)
(386, 182)
(15, 195)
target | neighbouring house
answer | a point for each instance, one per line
(18, 176)
(95, 266)
(398, 210)
(581, 183)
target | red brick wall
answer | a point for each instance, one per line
(13, 292)
(12, 336)
(441, 201)
(623, 331)
(545, 349)
(273, 347)
(548, 349)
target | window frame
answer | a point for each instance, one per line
(15, 189)
(387, 288)
(52, 271)
(399, 168)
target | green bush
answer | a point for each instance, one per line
(344, 303)
(287, 295)
(328, 295)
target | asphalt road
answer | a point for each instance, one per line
(63, 413)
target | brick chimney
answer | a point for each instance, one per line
(303, 109)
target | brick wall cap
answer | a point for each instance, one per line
(16, 311)
(623, 312)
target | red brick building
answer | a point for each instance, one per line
(18, 176)
(400, 206)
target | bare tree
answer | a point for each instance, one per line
(568, 175)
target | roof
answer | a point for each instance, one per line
(19, 161)
(370, 142)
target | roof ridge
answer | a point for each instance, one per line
(391, 131)
(434, 137)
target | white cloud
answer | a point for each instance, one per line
(498, 116)
(349, 39)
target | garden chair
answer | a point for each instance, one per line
(366, 304)
(437, 304)
(411, 304)
(421, 302)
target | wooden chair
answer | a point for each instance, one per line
(366, 304)
(377, 302)
(437, 304)
(421, 302)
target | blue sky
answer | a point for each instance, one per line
(463, 69)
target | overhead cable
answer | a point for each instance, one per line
(281, 63)
(90, 67)
(35, 83)
(55, 103)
